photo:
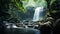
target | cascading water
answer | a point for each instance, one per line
(38, 14)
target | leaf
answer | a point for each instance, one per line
(52, 1)
(19, 5)
(54, 11)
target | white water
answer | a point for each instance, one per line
(37, 13)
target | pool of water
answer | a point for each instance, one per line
(22, 31)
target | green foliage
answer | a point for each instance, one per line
(50, 6)
(19, 5)
(34, 3)
(52, 1)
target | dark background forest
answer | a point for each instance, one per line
(11, 9)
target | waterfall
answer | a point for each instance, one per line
(38, 14)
